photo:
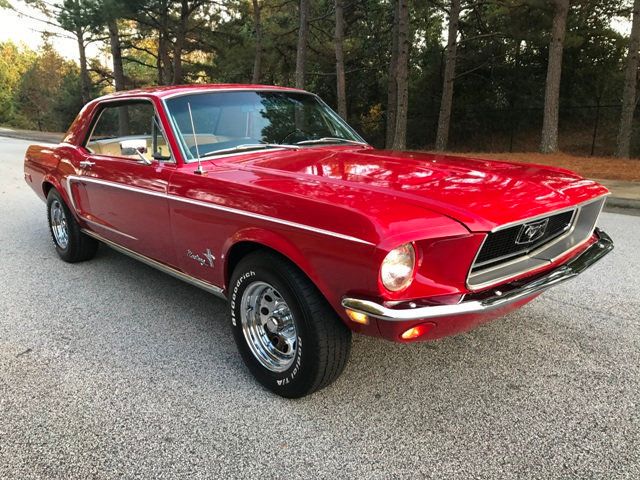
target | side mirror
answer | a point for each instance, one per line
(135, 147)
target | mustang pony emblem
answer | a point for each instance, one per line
(207, 258)
(532, 231)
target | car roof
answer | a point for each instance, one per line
(164, 91)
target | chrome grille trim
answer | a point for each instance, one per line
(582, 227)
(525, 250)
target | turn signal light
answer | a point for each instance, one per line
(358, 317)
(417, 331)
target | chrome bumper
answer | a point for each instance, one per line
(499, 297)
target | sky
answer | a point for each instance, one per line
(22, 29)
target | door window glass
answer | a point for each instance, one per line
(129, 130)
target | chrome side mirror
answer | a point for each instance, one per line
(135, 147)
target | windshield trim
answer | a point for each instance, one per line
(205, 91)
(187, 157)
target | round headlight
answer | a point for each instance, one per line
(397, 267)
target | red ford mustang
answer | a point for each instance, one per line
(264, 196)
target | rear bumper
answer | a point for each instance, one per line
(498, 300)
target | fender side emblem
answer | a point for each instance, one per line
(207, 258)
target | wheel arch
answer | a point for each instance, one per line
(49, 182)
(251, 240)
(46, 187)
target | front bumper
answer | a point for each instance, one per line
(499, 299)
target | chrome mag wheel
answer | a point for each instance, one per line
(59, 225)
(268, 326)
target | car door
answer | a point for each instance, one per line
(125, 167)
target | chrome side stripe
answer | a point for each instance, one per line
(269, 219)
(209, 287)
(73, 178)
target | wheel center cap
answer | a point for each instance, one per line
(272, 324)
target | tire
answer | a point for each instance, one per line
(71, 244)
(302, 362)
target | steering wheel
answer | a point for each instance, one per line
(302, 135)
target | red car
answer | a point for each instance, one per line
(265, 197)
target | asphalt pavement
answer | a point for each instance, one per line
(110, 369)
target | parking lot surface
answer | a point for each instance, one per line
(110, 369)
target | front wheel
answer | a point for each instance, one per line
(288, 336)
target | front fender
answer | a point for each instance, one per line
(319, 261)
(277, 242)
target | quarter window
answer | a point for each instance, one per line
(129, 130)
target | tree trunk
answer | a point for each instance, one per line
(392, 87)
(402, 73)
(178, 44)
(303, 33)
(340, 76)
(549, 143)
(85, 81)
(257, 25)
(118, 72)
(162, 47)
(116, 54)
(449, 77)
(623, 146)
(163, 63)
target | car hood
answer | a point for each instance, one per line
(481, 194)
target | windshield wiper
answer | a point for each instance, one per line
(330, 140)
(250, 146)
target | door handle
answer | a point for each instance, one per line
(87, 164)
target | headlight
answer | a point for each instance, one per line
(397, 267)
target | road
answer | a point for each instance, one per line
(109, 369)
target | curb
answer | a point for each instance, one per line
(32, 136)
(620, 202)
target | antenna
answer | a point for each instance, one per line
(199, 170)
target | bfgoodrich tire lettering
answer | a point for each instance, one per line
(71, 244)
(322, 343)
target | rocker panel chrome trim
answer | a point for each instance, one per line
(209, 287)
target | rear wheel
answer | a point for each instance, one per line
(71, 244)
(289, 337)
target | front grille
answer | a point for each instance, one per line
(505, 255)
(503, 244)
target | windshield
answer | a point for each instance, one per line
(240, 121)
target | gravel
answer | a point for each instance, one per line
(109, 369)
